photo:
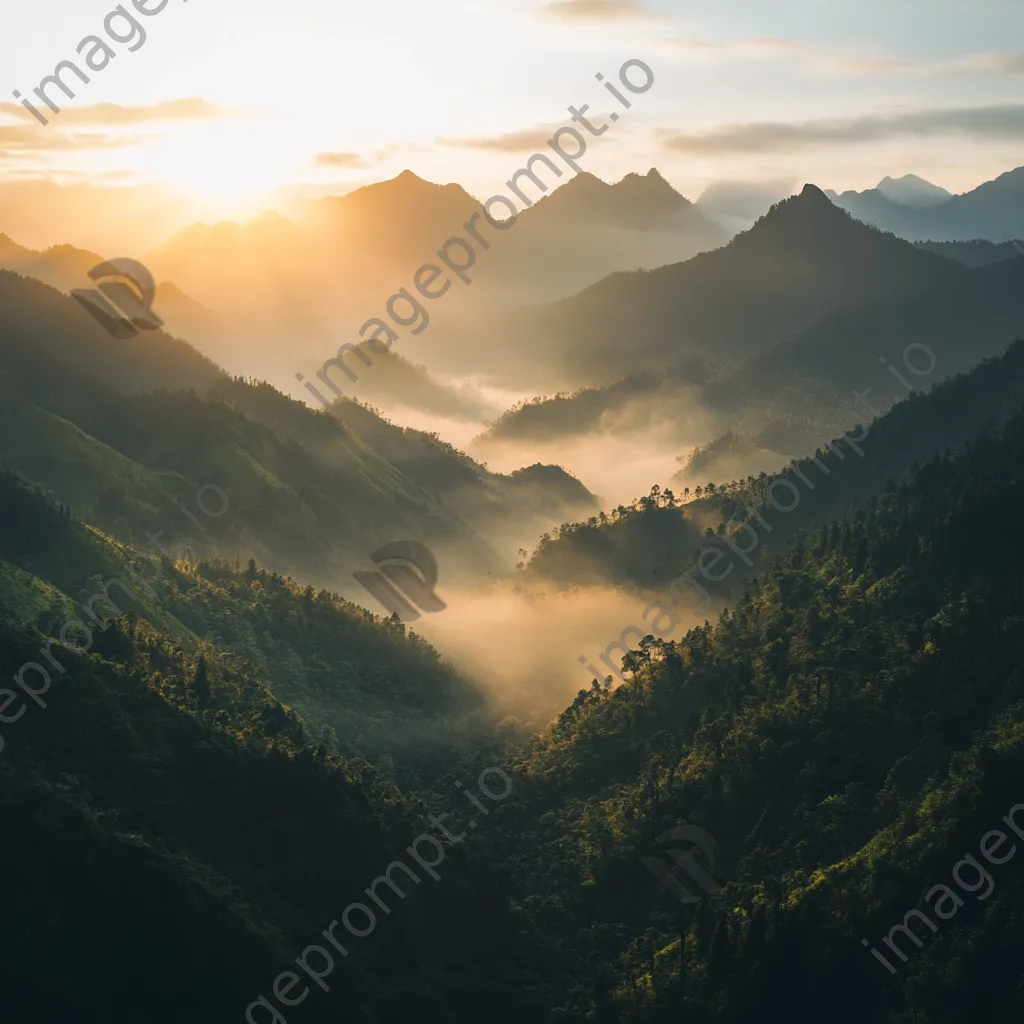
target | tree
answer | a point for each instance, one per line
(200, 683)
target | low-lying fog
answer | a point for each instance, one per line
(523, 647)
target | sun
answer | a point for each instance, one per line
(230, 168)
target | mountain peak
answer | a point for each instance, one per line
(814, 194)
(809, 218)
(408, 177)
(911, 190)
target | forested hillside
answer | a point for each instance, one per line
(126, 432)
(210, 776)
(847, 733)
(223, 758)
(846, 469)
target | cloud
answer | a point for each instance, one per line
(995, 63)
(349, 161)
(113, 115)
(818, 60)
(25, 139)
(747, 46)
(596, 10)
(774, 46)
(523, 141)
(992, 122)
(864, 65)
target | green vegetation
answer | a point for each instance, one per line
(199, 789)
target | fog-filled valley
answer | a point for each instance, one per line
(590, 598)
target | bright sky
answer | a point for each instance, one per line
(839, 92)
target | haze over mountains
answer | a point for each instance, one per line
(697, 345)
(245, 744)
(762, 339)
(921, 212)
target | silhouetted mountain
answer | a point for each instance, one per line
(926, 425)
(66, 268)
(636, 203)
(803, 262)
(287, 294)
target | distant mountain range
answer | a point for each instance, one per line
(920, 211)
(803, 262)
(767, 336)
(347, 249)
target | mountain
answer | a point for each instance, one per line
(192, 796)
(836, 745)
(61, 266)
(639, 202)
(222, 775)
(803, 261)
(395, 380)
(539, 494)
(992, 211)
(66, 268)
(288, 293)
(844, 470)
(399, 221)
(759, 343)
(973, 254)
(124, 431)
(910, 190)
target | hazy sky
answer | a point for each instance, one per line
(230, 98)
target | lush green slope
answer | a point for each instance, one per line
(308, 492)
(847, 470)
(644, 544)
(77, 416)
(847, 734)
(359, 684)
(181, 801)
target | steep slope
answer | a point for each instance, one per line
(124, 457)
(43, 327)
(803, 385)
(540, 494)
(844, 471)
(845, 737)
(169, 813)
(66, 268)
(855, 298)
(802, 262)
